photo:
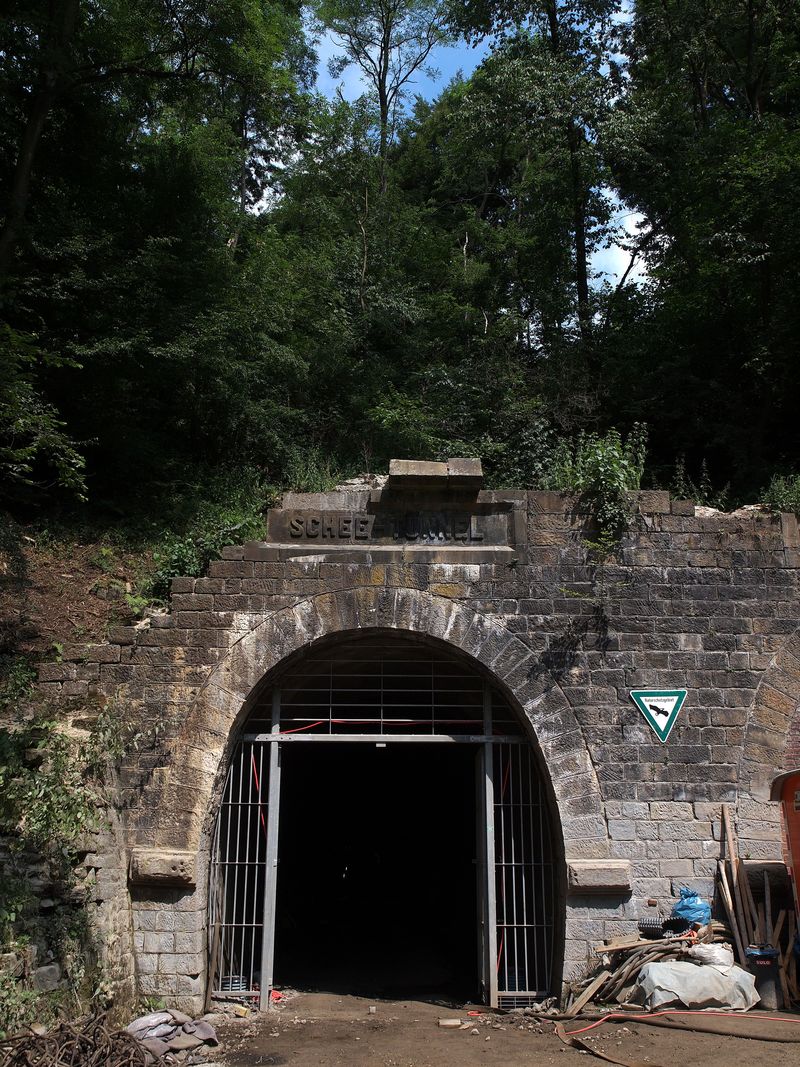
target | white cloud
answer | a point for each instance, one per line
(612, 262)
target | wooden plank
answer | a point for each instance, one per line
(587, 994)
(742, 913)
(775, 940)
(790, 945)
(729, 908)
(761, 929)
(787, 999)
(767, 909)
(747, 895)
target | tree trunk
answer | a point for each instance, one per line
(578, 211)
(62, 28)
(579, 225)
(21, 182)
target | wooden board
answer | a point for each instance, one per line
(587, 994)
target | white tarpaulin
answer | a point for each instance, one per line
(707, 986)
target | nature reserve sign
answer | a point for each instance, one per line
(660, 707)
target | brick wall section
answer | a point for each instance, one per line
(707, 603)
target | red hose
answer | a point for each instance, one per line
(677, 1011)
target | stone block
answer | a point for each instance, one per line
(155, 941)
(57, 672)
(102, 654)
(621, 830)
(122, 635)
(162, 867)
(415, 471)
(599, 876)
(671, 810)
(682, 507)
(45, 979)
(183, 585)
(75, 689)
(465, 473)
(653, 502)
(789, 531)
(190, 985)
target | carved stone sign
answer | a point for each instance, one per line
(431, 527)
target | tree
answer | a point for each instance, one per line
(705, 143)
(128, 212)
(62, 49)
(389, 41)
(576, 33)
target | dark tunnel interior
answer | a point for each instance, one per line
(376, 888)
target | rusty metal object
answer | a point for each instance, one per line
(89, 1042)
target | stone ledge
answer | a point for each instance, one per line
(462, 472)
(151, 866)
(599, 876)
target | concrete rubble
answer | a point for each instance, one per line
(171, 1036)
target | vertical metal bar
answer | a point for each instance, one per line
(271, 863)
(502, 855)
(257, 857)
(233, 919)
(214, 916)
(488, 812)
(433, 695)
(484, 962)
(250, 869)
(549, 894)
(513, 803)
(228, 906)
(532, 865)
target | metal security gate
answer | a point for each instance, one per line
(387, 692)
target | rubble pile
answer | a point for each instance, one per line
(169, 1036)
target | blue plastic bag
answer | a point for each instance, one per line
(692, 908)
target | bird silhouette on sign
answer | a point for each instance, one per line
(662, 713)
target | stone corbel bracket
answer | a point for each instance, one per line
(599, 876)
(153, 866)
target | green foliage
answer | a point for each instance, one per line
(35, 450)
(104, 559)
(216, 270)
(46, 800)
(17, 677)
(604, 469)
(51, 795)
(702, 491)
(19, 1006)
(783, 493)
(232, 514)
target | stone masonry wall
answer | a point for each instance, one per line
(695, 600)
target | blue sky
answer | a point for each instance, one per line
(608, 263)
(449, 61)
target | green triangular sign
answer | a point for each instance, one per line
(660, 707)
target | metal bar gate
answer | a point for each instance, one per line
(515, 866)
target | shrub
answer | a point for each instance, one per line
(603, 469)
(783, 493)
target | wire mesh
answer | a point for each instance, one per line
(372, 686)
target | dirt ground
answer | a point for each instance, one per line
(55, 593)
(327, 1030)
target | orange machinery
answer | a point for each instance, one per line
(786, 788)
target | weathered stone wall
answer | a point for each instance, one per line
(701, 601)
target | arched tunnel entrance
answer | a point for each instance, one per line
(384, 829)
